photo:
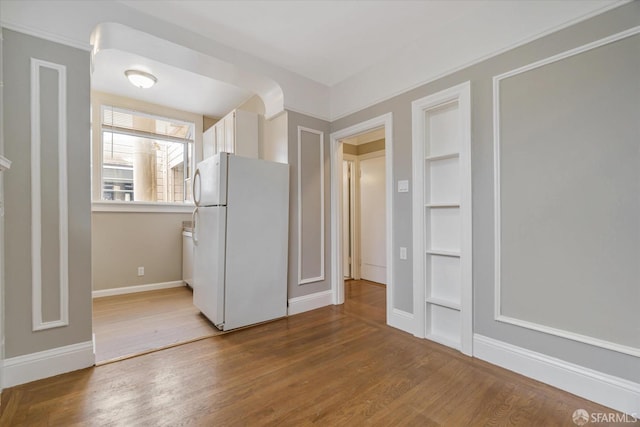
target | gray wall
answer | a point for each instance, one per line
(20, 339)
(480, 75)
(124, 241)
(570, 194)
(295, 290)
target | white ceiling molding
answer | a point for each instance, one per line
(472, 37)
(207, 80)
(327, 64)
(120, 37)
(71, 23)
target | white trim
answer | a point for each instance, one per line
(5, 164)
(118, 206)
(616, 393)
(354, 216)
(138, 288)
(36, 201)
(321, 277)
(309, 302)
(497, 198)
(462, 95)
(35, 366)
(620, 348)
(402, 320)
(45, 35)
(450, 71)
(569, 53)
(395, 317)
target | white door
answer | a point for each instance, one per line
(372, 220)
(209, 237)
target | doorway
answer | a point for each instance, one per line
(364, 207)
(394, 317)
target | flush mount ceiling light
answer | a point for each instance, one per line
(140, 78)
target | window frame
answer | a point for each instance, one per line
(101, 205)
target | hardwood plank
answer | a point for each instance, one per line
(330, 367)
(134, 324)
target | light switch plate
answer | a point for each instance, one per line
(403, 186)
(403, 253)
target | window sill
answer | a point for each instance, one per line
(149, 207)
(5, 163)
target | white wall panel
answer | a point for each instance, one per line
(46, 131)
(311, 219)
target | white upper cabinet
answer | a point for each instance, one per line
(236, 133)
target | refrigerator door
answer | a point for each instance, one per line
(257, 241)
(210, 181)
(209, 236)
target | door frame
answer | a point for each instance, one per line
(395, 317)
(354, 216)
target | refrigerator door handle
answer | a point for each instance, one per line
(196, 186)
(194, 225)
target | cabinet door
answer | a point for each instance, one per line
(246, 134)
(220, 136)
(208, 143)
(187, 258)
(229, 133)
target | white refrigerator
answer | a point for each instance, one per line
(240, 234)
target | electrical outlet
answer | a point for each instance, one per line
(403, 253)
(140, 271)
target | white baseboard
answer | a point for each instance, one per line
(310, 302)
(35, 366)
(401, 320)
(139, 288)
(613, 392)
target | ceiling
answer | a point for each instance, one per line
(176, 88)
(364, 138)
(326, 41)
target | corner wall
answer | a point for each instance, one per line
(602, 360)
(311, 256)
(124, 241)
(21, 338)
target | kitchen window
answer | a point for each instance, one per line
(145, 158)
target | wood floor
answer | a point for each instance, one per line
(126, 325)
(335, 366)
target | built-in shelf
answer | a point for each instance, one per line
(442, 205)
(4, 163)
(442, 208)
(443, 157)
(444, 303)
(443, 253)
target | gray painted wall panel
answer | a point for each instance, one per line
(20, 340)
(294, 120)
(570, 194)
(124, 241)
(311, 200)
(480, 75)
(50, 204)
